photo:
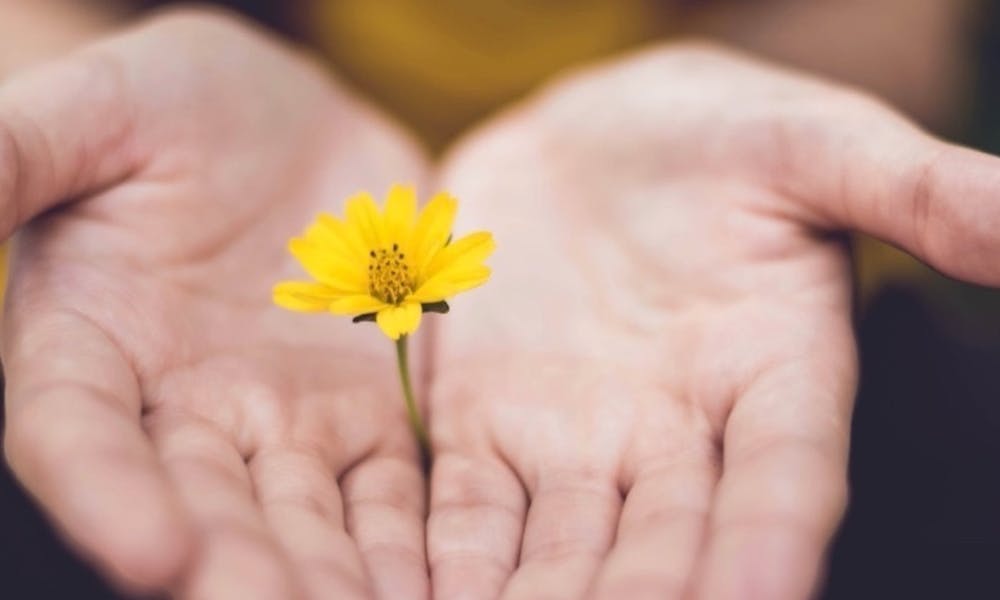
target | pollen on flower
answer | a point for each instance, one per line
(389, 277)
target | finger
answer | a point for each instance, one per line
(73, 438)
(870, 170)
(660, 531)
(238, 556)
(474, 530)
(385, 512)
(783, 488)
(302, 504)
(570, 526)
(48, 154)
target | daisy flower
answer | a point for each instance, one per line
(388, 265)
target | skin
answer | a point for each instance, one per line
(35, 31)
(652, 397)
(185, 434)
(927, 73)
(658, 405)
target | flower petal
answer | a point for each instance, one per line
(304, 296)
(469, 251)
(357, 304)
(333, 233)
(432, 230)
(329, 266)
(400, 215)
(395, 321)
(447, 285)
(456, 268)
(363, 216)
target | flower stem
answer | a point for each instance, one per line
(416, 422)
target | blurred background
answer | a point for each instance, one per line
(924, 520)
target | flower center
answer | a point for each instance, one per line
(388, 275)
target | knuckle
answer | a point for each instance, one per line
(924, 190)
(459, 481)
(663, 518)
(461, 486)
(470, 559)
(557, 548)
(643, 584)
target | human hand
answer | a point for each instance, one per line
(653, 398)
(183, 432)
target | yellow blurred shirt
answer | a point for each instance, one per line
(443, 65)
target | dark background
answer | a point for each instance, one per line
(924, 518)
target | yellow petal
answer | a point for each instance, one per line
(400, 215)
(445, 286)
(364, 217)
(358, 304)
(395, 321)
(432, 230)
(304, 296)
(469, 251)
(330, 232)
(329, 266)
(456, 268)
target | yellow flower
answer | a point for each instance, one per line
(392, 263)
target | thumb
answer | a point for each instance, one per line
(65, 131)
(875, 172)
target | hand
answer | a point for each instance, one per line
(652, 397)
(186, 434)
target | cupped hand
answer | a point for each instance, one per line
(652, 397)
(182, 431)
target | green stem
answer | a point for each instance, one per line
(416, 422)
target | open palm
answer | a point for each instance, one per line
(181, 429)
(653, 398)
